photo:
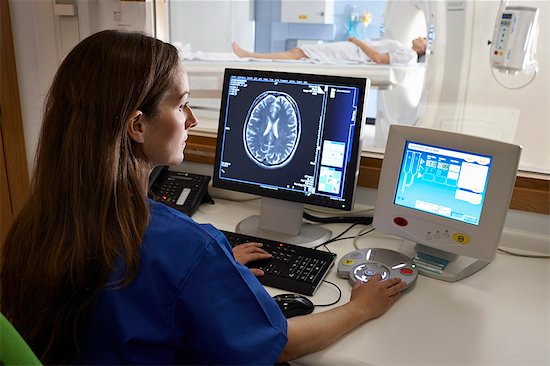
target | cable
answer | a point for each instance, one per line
(339, 294)
(359, 209)
(362, 232)
(365, 220)
(509, 252)
(535, 73)
(336, 238)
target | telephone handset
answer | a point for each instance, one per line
(183, 191)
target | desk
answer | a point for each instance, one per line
(498, 316)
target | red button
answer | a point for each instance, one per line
(400, 221)
(406, 271)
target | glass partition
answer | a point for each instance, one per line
(452, 88)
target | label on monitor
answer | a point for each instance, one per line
(430, 263)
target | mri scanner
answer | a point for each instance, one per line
(404, 103)
(423, 96)
(438, 92)
(411, 95)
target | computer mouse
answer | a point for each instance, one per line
(293, 305)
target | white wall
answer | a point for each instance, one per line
(36, 60)
(42, 38)
(211, 26)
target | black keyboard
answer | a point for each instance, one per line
(292, 267)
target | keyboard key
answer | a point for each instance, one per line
(292, 268)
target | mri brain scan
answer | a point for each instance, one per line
(272, 130)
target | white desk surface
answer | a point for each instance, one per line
(498, 316)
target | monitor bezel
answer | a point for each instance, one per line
(483, 238)
(363, 85)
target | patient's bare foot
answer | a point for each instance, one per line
(239, 51)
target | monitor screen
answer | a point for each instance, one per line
(443, 181)
(447, 195)
(292, 137)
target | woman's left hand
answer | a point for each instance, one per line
(250, 252)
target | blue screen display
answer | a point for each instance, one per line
(444, 182)
(289, 135)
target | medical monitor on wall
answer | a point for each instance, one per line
(447, 194)
(293, 139)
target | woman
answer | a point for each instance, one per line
(93, 272)
(383, 51)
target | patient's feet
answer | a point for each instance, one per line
(240, 52)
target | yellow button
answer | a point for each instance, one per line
(349, 262)
(461, 238)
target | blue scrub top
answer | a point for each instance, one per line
(191, 303)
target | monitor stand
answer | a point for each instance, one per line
(439, 264)
(283, 221)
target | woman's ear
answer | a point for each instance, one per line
(136, 126)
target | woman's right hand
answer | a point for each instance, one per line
(368, 300)
(374, 298)
(250, 252)
(352, 39)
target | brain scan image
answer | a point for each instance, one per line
(272, 129)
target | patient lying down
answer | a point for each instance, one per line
(384, 51)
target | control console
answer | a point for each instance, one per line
(362, 264)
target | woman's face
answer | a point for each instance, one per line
(166, 132)
(419, 45)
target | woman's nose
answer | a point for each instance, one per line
(191, 120)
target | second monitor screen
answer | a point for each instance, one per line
(443, 181)
(290, 136)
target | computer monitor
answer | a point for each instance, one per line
(292, 139)
(447, 194)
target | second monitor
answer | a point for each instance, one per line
(293, 139)
(447, 194)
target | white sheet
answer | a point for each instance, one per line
(211, 72)
(206, 69)
(187, 54)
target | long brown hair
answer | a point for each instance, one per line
(87, 203)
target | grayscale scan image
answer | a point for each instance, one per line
(272, 129)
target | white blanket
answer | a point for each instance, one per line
(187, 54)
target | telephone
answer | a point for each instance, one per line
(183, 191)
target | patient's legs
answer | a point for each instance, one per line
(293, 54)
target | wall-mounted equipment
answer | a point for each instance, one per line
(515, 39)
(310, 12)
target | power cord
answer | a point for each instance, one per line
(362, 232)
(516, 254)
(336, 238)
(339, 294)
